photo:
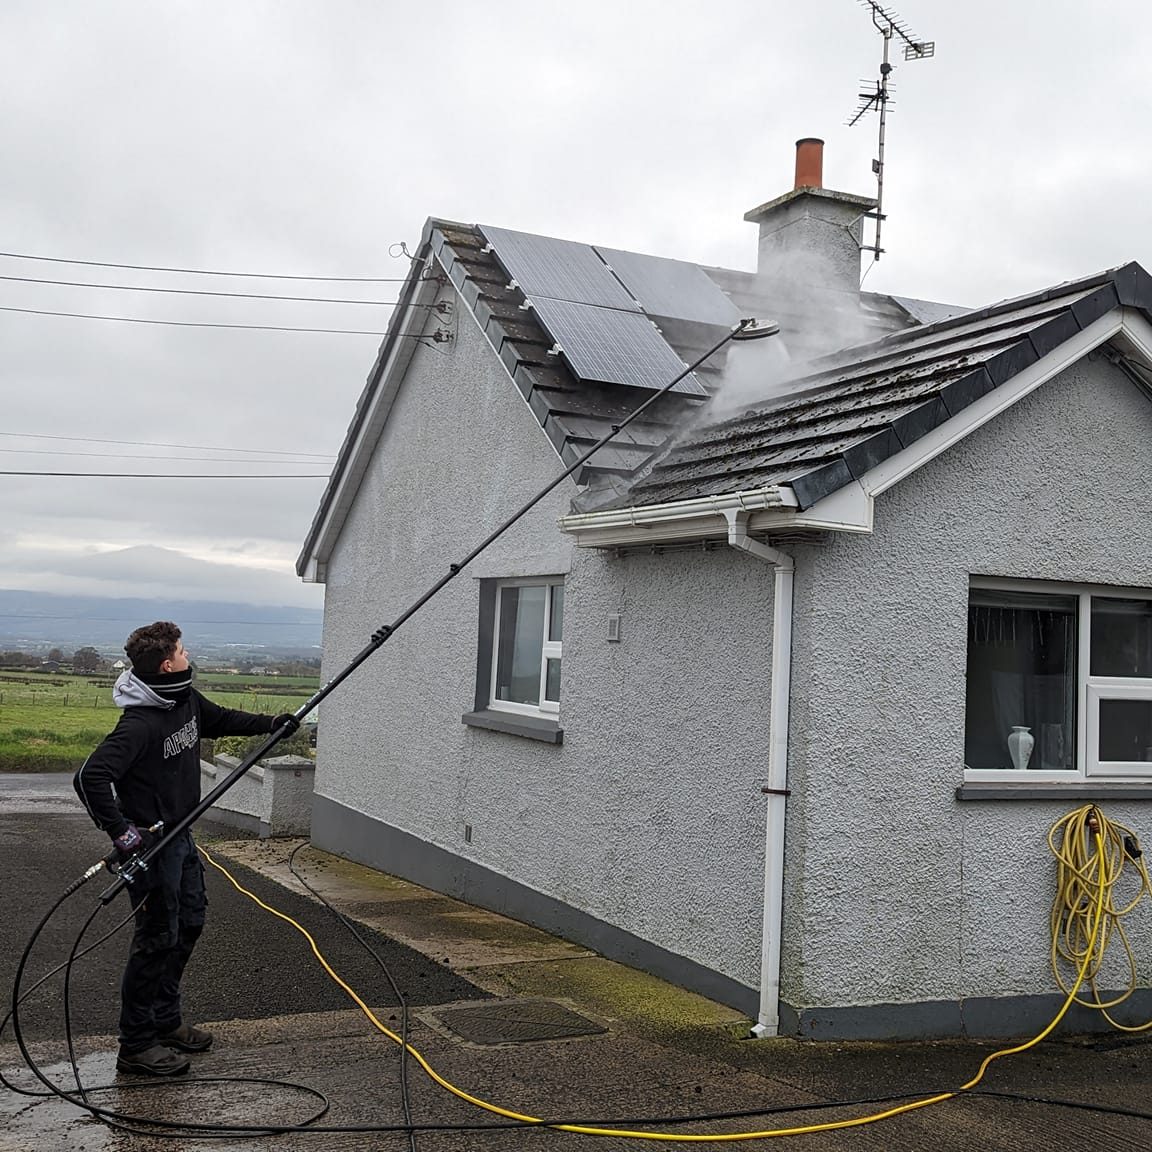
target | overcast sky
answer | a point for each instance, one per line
(306, 138)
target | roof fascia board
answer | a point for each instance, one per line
(991, 404)
(1136, 338)
(388, 377)
(848, 509)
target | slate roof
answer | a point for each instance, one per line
(862, 405)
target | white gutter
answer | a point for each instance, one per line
(768, 1021)
(755, 499)
(702, 518)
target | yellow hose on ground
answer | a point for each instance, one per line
(1090, 872)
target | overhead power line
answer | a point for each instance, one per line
(195, 324)
(162, 444)
(139, 456)
(180, 475)
(197, 292)
(130, 619)
(207, 272)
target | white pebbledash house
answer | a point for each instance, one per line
(778, 696)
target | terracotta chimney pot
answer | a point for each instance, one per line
(809, 163)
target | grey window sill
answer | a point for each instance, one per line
(1055, 791)
(535, 729)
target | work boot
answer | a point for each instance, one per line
(188, 1038)
(154, 1061)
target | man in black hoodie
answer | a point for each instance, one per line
(147, 771)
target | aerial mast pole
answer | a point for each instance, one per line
(878, 97)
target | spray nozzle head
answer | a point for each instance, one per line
(755, 329)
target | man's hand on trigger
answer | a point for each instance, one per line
(286, 719)
(129, 841)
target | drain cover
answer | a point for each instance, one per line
(516, 1022)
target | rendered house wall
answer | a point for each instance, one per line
(648, 818)
(897, 892)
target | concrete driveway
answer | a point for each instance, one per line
(642, 1049)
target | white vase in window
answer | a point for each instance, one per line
(1020, 742)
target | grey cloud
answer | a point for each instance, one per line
(291, 136)
(148, 571)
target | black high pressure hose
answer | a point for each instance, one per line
(147, 1126)
(745, 330)
(748, 329)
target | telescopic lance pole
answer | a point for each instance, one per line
(747, 329)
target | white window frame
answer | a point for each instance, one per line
(1090, 690)
(550, 650)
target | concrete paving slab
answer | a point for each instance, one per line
(457, 934)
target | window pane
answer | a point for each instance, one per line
(552, 681)
(520, 644)
(1021, 674)
(1126, 730)
(556, 623)
(1121, 637)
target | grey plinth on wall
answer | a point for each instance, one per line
(274, 798)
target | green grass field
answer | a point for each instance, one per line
(49, 723)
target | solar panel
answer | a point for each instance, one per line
(557, 269)
(612, 347)
(672, 289)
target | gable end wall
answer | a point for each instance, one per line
(898, 893)
(642, 833)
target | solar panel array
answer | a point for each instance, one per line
(672, 289)
(558, 269)
(613, 347)
(598, 315)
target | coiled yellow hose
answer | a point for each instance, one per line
(1093, 853)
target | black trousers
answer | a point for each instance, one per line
(170, 906)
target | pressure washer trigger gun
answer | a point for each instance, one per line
(114, 862)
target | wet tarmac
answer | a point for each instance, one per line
(656, 1050)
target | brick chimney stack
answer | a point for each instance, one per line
(812, 234)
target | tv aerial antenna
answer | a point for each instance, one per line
(877, 96)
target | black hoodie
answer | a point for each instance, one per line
(152, 757)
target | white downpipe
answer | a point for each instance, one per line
(768, 1021)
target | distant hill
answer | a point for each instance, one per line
(33, 621)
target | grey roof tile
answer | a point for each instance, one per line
(1092, 306)
(958, 394)
(919, 421)
(821, 482)
(1133, 286)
